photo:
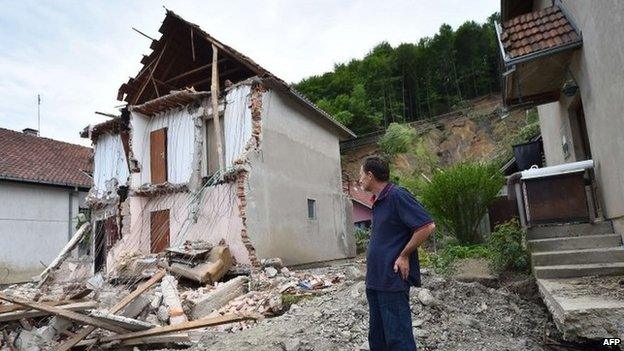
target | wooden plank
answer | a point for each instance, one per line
(65, 252)
(159, 231)
(118, 307)
(214, 93)
(74, 316)
(194, 70)
(11, 308)
(158, 156)
(200, 323)
(29, 313)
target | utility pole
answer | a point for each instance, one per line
(39, 114)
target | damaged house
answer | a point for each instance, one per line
(264, 177)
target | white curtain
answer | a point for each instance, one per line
(110, 162)
(237, 120)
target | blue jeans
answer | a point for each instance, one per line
(390, 321)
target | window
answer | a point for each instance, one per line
(311, 209)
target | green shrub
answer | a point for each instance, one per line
(397, 139)
(458, 198)
(508, 252)
(443, 261)
(425, 258)
(362, 235)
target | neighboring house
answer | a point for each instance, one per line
(362, 204)
(269, 184)
(565, 57)
(43, 183)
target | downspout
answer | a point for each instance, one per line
(70, 214)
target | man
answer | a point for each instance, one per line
(400, 225)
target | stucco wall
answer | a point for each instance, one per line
(300, 160)
(597, 68)
(34, 227)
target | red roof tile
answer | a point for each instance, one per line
(535, 31)
(41, 160)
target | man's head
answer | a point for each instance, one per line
(374, 173)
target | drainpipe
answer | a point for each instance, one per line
(514, 191)
(70, 213)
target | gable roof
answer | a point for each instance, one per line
(538, 31)
(35, 159)
(182, 58)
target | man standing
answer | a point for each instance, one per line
(400, 225)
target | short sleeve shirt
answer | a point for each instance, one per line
(396, 215)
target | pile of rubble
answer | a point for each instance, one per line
(447, 315)
(152, 300)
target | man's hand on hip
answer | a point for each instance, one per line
(401, 266)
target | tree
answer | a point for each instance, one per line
(411, 81)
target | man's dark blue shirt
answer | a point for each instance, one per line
(396, 215)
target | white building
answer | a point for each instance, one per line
(43, 183)
(159, 179)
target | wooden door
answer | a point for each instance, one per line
(158, 156)
(159, 231)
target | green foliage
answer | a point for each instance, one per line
(362, 236)
(397, 139)
(528, 132)
(291, 299)
(443, 261)
(458, 197)
(508, 252)
(425, 258)
(411, 81)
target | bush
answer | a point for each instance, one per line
(443, 261)
(458, 198)
(508, 252)
(397, 139)
(362, 235)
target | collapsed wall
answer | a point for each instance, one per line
(197, 205)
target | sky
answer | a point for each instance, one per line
(76, 54)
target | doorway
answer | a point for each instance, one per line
(578, 127)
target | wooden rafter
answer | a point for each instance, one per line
(156, 62)
(214, 94)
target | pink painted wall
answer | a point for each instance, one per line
(361, 212)
(218, 218)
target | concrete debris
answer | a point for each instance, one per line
(171, 299)
(270, 272)
(218, 297)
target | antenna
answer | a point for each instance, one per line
(39, 114)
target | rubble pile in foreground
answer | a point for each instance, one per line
(150, 302)
(447, 315)
(269, 308)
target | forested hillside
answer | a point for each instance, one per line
(411, 81)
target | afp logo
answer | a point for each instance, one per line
(611, 342)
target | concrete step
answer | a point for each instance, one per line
(575, 243)
(568, 230)
(578, 270)
(563, 257)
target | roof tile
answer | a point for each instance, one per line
(41, 160)
(536, 31)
